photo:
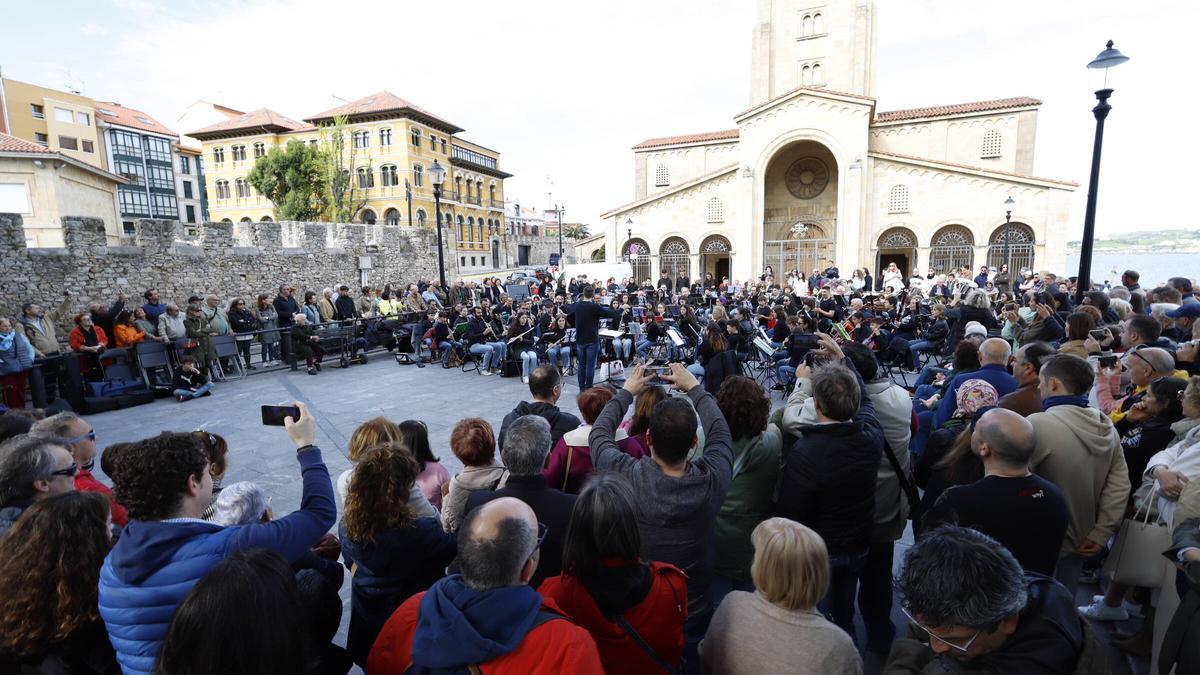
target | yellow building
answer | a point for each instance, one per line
(393, 143)
(61, 121)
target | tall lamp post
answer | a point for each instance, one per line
(1107, 59)
(1008, 207)
(437, 175)
(559, 212)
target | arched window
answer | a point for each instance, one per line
(816, 74)
(391, 217)
(366, 178)
(239, 153)
(416, 137)
(226, 220)
(265, 219)
(806, 26)
(716, 210)
(479, 231)
(675, 257)
(953, 247)
(368, 217)
(818, 24)
(260, 150)
(388, 176)
(805, 76)
(362, 139)
(991, 144)
(385, 137)
(218, 155)
(1020, 246)
(243, 188)
(418, 175)
(421, 217)
(662, 176)
(898, 199)
(222, 189)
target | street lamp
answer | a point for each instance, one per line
(437, 176)
(1107, 59)
(1008, 207)
(559, 213)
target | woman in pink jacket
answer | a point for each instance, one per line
(571, 459)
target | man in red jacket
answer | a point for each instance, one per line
(488, 616)
(81, 442)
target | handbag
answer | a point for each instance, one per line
(1136, 558)
(647, 649)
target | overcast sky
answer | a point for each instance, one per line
(563, 89)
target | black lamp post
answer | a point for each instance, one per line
(437, 175)
(1008, 207)
(1108, 58)
(559, 212)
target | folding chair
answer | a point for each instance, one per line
(151, 355)
(227, 348)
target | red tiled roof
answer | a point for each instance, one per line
(727, 134)
(893, 155)
(957, 109)
(262, 117)
(13, 144)
(115, 113)
(384, 101)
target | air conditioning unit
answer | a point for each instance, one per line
(364, 262)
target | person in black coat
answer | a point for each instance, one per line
(545, 385)
(828, 478)
(526, 448)
(344, 308)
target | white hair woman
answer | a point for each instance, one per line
(777, 628)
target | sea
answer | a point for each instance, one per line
(1155, 268)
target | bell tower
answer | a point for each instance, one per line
(813, 43)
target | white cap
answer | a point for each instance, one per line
(974, 328)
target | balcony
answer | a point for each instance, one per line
(474, 199)
(450, 195)
(496, 203)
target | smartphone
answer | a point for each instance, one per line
(657, 372)
(809, 358)
(1098, 335)
(272, 415)
(1109, 361)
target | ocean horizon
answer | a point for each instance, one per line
(1155, 268)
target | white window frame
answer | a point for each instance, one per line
(662, 175)
(898, 199)
(993, 144)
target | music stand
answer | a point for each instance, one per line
(517, 291)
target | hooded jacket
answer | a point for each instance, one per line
(1078, 450)
(501, 631)
(560, 422)
(388, 571)
(155, 563)
(570, 461)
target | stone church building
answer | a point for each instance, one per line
(814, 172)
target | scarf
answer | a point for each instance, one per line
(1050, 402)
(6, 340)
(89, 337)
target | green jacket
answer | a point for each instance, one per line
(749, 501)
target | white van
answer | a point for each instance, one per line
(599, 270)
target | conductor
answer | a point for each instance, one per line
(586, 315)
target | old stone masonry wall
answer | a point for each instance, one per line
(183, 260)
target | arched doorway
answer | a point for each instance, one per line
(265, 219)
(495, 254)
(715, 257)
(368, 217)
(1020, 247)
(391, 217)
(637, 254)
(952, 247)
(800, 208)
(675, 258)
(896, 245)
(598, 255)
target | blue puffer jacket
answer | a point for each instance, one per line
(155, 563)
(16, 354)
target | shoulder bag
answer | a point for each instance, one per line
(1136, 558)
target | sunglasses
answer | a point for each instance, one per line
(952, 643)
(70, 471)
(90, 436)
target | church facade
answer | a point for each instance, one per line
(813, 172)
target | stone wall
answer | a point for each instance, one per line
(202, 258)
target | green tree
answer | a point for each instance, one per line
(575, 230)
(345, 197)
(294, 180)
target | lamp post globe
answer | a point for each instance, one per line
(1104, 61)
(437, 176)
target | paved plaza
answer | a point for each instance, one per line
(342, 398)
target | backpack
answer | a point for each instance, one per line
(474, 669)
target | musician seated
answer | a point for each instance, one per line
(654, 332)
(520, 344)
(558, 339)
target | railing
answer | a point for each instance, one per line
(496, 203)
(450, 195)
(474, 200)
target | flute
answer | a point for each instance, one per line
(518, 337)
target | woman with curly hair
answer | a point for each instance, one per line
(391, 553)
(757, 452)
(373, 432)
(49, 574)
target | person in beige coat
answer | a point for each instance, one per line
(39, 325)
(1079, 450)
(474, 444)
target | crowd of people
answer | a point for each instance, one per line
(1045, 444)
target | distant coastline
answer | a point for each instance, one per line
(1150, 242)
(1139, 250)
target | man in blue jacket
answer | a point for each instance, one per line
(994, 354)
(165, 484)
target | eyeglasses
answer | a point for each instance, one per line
(90, 436)
(952, 643)
(543, 530)
(70, 471)
(1134, 352)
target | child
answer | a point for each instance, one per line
(190, 383)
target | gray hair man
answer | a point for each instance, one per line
(525, 452)
(994, 354)
(32, 468)
(970, 600)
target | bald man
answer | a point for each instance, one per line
(994, 355)
(1023, 511)
(488, 616)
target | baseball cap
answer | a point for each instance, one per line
(974, 328)
(1188, 311)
